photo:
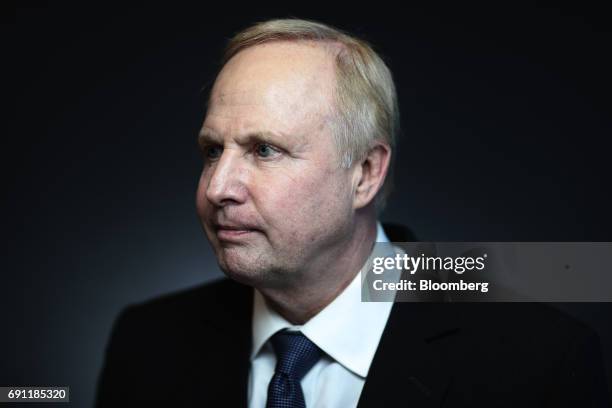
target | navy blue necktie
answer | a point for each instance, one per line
(295, 356)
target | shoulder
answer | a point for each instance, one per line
(217, 292)
(204, 304)
(556, 353)
(519, 352)
(163, 343)
(534, 331)
(494, 319)
(529, 322)
(493, 337)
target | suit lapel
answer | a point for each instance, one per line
(409, 368)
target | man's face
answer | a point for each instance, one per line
(272, 197)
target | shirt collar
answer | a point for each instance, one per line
(347, 329)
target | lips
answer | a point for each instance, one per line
(234, 227)
(234, 231)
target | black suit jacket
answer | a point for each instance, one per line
(191, 349)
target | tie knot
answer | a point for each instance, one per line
(295, 354)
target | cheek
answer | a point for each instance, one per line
(305, 201)
(201, 201)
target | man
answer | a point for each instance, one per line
(297, 142)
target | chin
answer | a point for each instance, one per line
(254, 271)
(242, 267)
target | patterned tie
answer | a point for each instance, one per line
(295, 356)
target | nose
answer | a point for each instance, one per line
(227, 183)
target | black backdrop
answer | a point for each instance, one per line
(505, 116)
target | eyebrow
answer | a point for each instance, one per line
(209, 136)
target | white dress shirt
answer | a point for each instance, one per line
(347, 331)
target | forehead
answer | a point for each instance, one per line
(283, 84)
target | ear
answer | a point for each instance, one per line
(370, 174)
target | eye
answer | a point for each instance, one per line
(212, 152)
(265, 150)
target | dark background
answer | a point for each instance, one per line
(506, 120)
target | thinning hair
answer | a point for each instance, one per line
(366, 100)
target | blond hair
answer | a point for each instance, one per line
(367, 109)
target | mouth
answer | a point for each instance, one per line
(233, 233)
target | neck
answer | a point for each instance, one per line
(301, 301)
